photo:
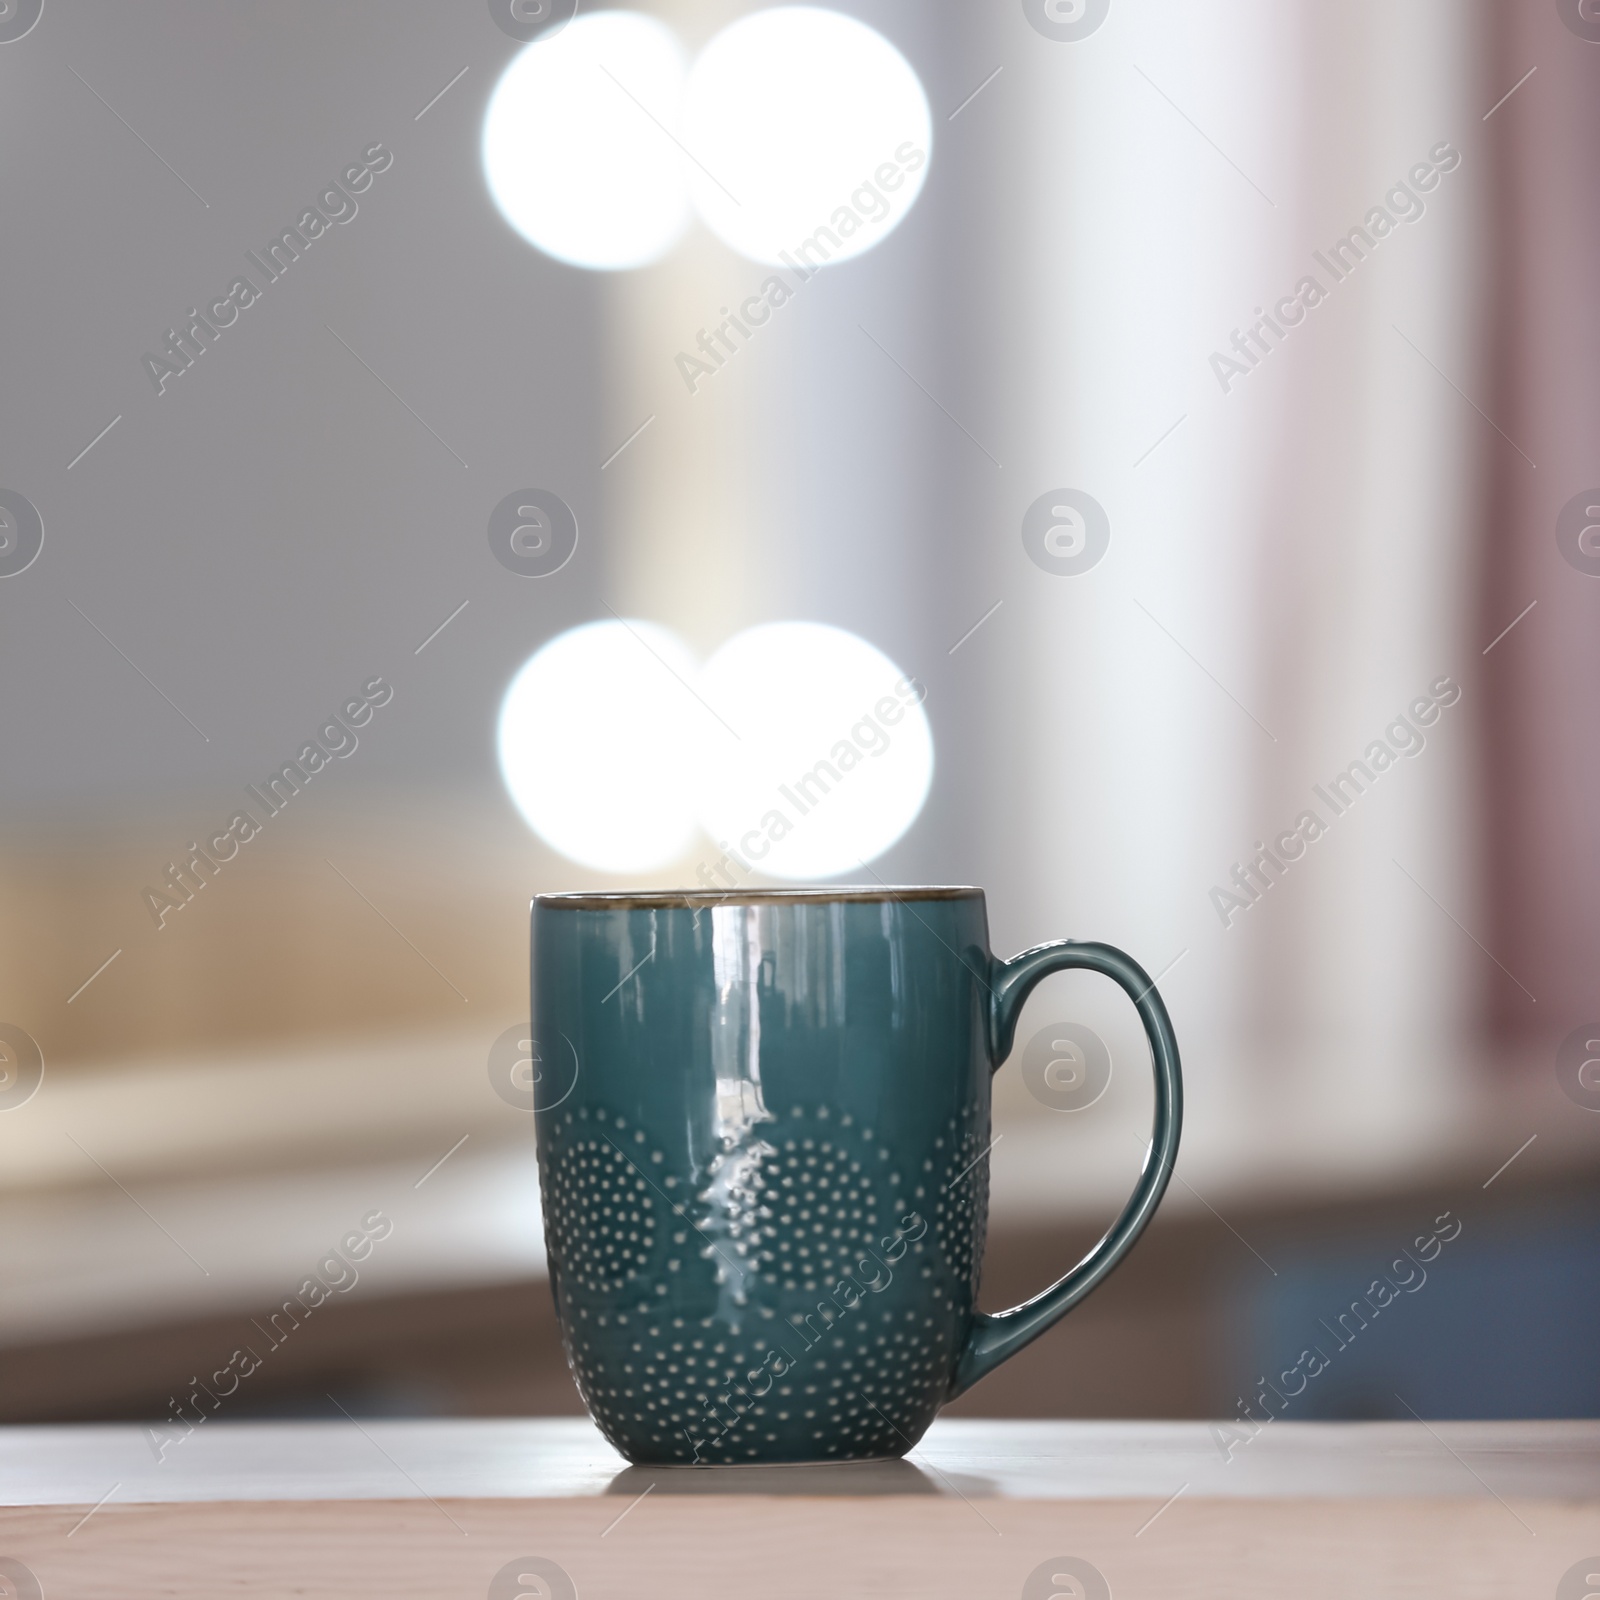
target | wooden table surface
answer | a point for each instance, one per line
(546, 1509)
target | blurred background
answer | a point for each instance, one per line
(1209, 427)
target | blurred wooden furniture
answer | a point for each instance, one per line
(1040, 1509)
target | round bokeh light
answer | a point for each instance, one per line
(810, 135)
(834, 758)
(574, 148)
(594, 746)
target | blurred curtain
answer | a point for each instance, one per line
(1541, 769)
(1294, 551)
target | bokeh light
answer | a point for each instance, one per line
(807, 125)
(574, 151)
(802, 749)
(834, 756)
(593, 745)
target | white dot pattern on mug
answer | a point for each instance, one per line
(820, 1212)
(702, 1393)
(599, 1211)
(802, 1228)
(961, 1212)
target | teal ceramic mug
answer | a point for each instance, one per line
(763, 1130)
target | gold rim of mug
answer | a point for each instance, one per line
(698, 899)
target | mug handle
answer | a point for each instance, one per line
(991, 1339)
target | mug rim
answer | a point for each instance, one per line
(699, 899)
